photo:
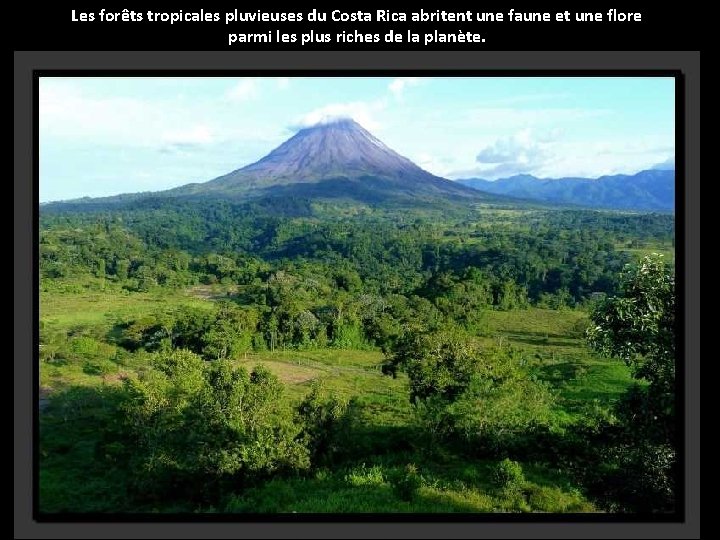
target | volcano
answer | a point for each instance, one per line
(337, 159)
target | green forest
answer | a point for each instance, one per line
(293, 355)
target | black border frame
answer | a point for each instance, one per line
(680, 259)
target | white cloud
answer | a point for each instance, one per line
(363, 112)
(520, 118)
(551, 143)
(599, 158)
(196, 135)
(68, 113)
(666, 165)
(547, 155)
(521, 153)
(243, 90)
(432, 163)
(399, 85)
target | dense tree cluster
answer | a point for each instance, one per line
(553, 258)
(487, 397)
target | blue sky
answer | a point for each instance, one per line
(104, 136)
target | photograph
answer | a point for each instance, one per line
(287, 295)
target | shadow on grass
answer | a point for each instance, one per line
(81, 471)
(116, 333)
(590, 395)
(562, 372)
(543, 335)
(539, 339)
(76, 474)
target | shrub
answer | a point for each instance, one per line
(637, 477)
(438, 364)
(258, 343)
(323, 418)
(485, 398)
(197, 427)
(504, 413)
(508, 476)
(348, 336)
(407, 482)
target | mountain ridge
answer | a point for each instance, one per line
(652, 189)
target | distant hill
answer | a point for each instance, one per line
(647, 190)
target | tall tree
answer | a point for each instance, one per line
(639, 326)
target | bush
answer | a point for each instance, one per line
(348, 336)
(493, 415)
(407, 482)
(439, 364)
(637, 477)
(323, 418)
(508, 476)
(198, 427)
(487, 399)
(258, 343)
